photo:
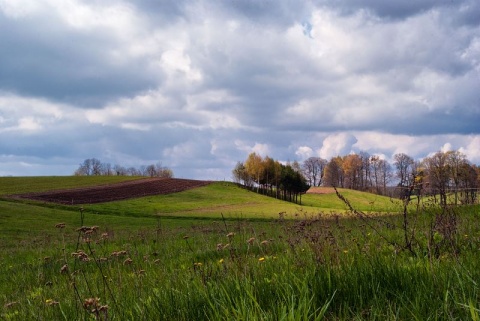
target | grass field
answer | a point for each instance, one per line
(220, 252)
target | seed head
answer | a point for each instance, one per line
(64, 269)
(91, 302)
(10, 304)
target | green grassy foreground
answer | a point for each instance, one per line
(158, 263)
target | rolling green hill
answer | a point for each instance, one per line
(212, 201)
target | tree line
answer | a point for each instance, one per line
(270, 177)
(439, 175)
(94, 167)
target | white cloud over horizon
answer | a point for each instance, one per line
(197, 85)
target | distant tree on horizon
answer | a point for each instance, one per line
(94, 167)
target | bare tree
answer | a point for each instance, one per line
(438, 172)
(163, 171)
(381, 174)
(403, 164)
(456, 160)
(313, 169)
(151, 171)
(120, 170)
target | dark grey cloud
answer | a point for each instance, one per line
(199, 84)
(42, 57)
(390, 9)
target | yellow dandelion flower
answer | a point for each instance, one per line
(220, 261)
(261, 259)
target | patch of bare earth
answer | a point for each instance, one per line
(116, 192)
(321, 190)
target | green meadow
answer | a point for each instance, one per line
(221, 252)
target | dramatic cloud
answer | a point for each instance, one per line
(198, 85)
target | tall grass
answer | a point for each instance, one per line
(309, 268)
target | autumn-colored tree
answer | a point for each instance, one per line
(255, 168)
(334, 175)
(352, 169)
(240, 175)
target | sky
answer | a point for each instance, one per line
(198, 85)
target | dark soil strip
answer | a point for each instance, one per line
(116, 192)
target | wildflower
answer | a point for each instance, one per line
(250, 240)
(220, 261)
(51, 302)
(261, 259)
(345, 251)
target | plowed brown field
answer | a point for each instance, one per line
(116, 192)
(321, 190)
